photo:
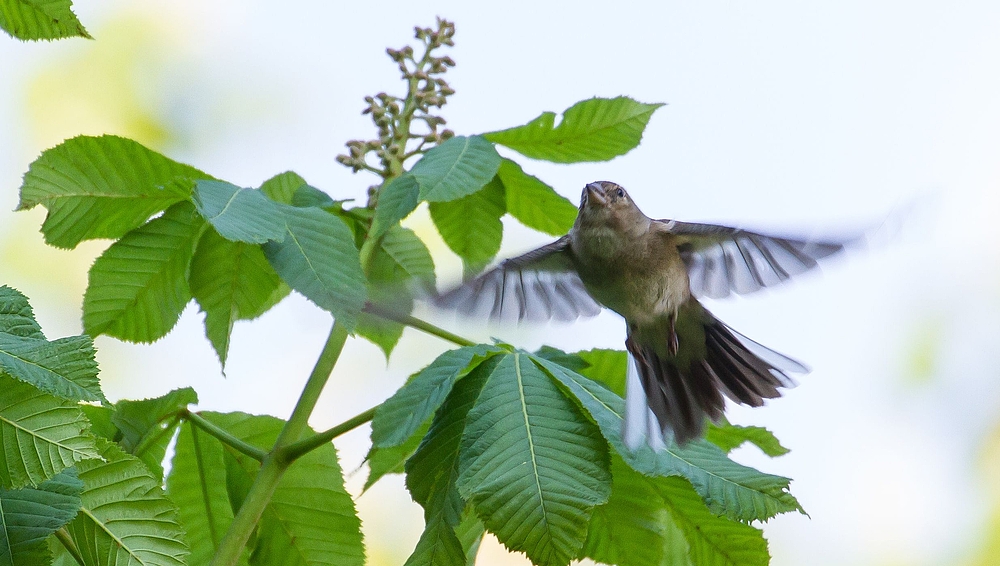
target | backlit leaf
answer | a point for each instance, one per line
(138, 287)
(40, 435)
(318, 258)
(471, 225)
(29, 515)
(102, 187)
(458, 167)
(125, 517)
(238, 214)
(597, 129)
(40, 19)
(533, 203)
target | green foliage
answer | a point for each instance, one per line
(146, 427)
(41, 434)
(138, 287)
(740, 492)
(456, 168)
(729, 436)
(40, 19)
(197, 484)
(598, 129)
(491, 438)
(102, 187)
(533, 203)
(530, 464)
(231, 281)
(32, 514)
(396, 201)
(311, 518)
(471, 225)
(318, 259)
(125, 518)
(239, 215)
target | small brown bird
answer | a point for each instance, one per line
(682, 360)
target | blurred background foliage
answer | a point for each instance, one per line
(779, 115)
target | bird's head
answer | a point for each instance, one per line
(604, 202)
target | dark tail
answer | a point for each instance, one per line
(681, 388)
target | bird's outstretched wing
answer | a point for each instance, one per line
(722, 260)
(539, 285)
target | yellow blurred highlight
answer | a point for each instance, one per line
(109, 86)
(988, 554)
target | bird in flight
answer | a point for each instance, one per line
(683, 361)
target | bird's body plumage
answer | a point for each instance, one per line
(683, 360)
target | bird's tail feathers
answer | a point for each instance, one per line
(667, 399)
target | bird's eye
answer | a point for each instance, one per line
(620, 192)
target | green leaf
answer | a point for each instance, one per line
(400, 259)
(29, 515)
(148, 425)
(100, 421)
(402, 256)
(102, 187)
(238, 214)
(400, 416)
(395, 202)
(532, 464)
(125, 518)
(282, 187)
(740, 492)
(307, 195)
(41, 435)
(311, 518)
(630, 527)
(318, 258)
(64, 367)
(40, 19)
(392, 459)
(138, 287)
(597, 129)
(197, 484)
(471, 225)
(729, 436)
(605, 366)
(458, 167)
(713, 540)
(470, 533)
(432, 472)
(571, 361)
(533, 203)
(231, 281)
(438, 546)
(16, 316)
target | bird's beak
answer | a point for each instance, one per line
(596, 195)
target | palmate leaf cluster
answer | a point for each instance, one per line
(524, 445)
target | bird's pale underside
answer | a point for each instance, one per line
(682, 360)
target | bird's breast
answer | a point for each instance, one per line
(640, 278)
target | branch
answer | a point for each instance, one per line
(298, 449)
(414, 322)
(224, 436)
(274, 465)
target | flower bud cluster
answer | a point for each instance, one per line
(395, 118)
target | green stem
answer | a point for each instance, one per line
(223, 435)
(298, 449)
(67, 541)
(422, 325)
(274, 464)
